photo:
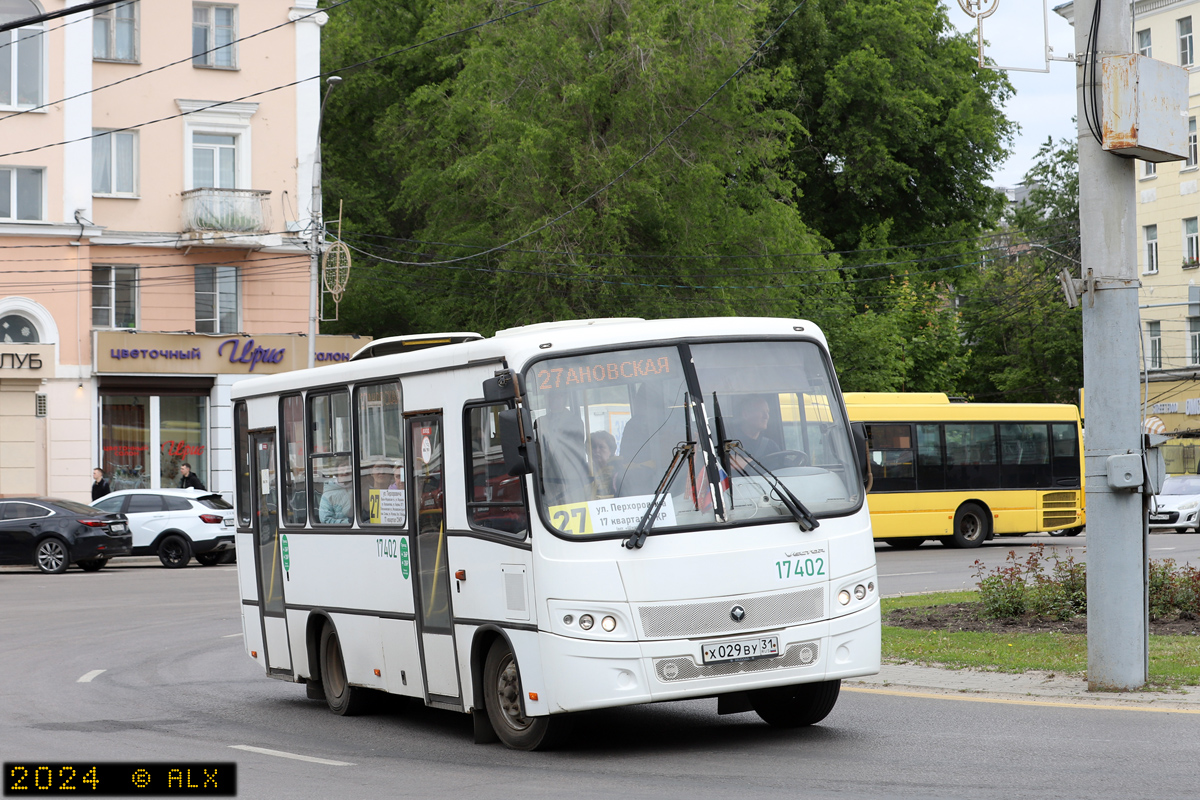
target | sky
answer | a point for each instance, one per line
(1044, 103)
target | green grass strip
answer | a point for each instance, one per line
(1174, 660)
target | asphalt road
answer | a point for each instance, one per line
(933, 567)
(176, 685)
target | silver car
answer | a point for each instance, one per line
(175, 524)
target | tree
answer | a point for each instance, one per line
(1026, 344)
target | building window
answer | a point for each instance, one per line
(1193, 341)
(1150, 234)
(1191, 244)
(115, 33)
(1154, 351)
(1191, 157)
(114, 162)
(1143, 39)
(1185, 41)
(21, 193)
(216, 300)
(1149, 169)
(16, 329)
(214, 161)
(21, 56)
(114, 297)
(214, 29)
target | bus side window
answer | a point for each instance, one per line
(496, 500)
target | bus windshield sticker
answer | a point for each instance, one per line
(613, 515)
(386, 506)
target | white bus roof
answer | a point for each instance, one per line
(517, 346)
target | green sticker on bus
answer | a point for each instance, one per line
(287, 559)
(404, 557)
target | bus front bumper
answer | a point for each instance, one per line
(582, 674)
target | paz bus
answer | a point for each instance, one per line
(564, 516)
(962, 472)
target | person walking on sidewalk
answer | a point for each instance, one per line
(189, 480)
(100, 486)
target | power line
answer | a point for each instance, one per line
(319, 75)
(46, 17)
(44, 31)
(173, 63)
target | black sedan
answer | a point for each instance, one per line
(51, 534)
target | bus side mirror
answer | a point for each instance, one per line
(501, 388)
(859, 431)
(513, 445)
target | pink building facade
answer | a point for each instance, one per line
(153, 231)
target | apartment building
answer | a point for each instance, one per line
(156, 163)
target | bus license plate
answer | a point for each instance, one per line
(741, 650)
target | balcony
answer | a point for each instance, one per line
(226, 211)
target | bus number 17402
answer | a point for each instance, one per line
(806, 568)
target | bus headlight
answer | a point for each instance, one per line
(844, 597)
(860, 592)
(586, 622)
(609, 624)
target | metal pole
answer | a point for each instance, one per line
(317, 238)
(1116, 518)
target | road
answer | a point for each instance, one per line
(935, 568)
(176, 685)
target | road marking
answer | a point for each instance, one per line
(231, 635)
(1005, 701)
(88, 677)
(899, 574)
(295, 756)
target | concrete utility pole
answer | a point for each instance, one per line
(1116, 517)
(317, 236)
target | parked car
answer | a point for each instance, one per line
(52, 534)
(175, 524)
(1177, 505)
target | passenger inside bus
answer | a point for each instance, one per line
(604, 465)
(646, 442)
(561, 439)
(750, 427)
(335, 506)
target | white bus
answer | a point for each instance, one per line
(566, 516)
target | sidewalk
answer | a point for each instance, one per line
(1030, 686)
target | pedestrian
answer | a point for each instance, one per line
(100, 486)
(189, 479)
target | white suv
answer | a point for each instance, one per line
(175, 524)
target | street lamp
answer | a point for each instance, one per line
(318, 231)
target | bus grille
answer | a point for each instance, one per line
(684, 668)
(702, 619)
(1059, 509)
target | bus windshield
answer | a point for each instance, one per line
(611, 427)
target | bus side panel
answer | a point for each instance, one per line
(247, 582)
(1014, 512)
(402, 673)
(361, 641)
(892, 517)
(499, 583)
(252, 634)
(347, 570)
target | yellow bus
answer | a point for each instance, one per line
(962, 472)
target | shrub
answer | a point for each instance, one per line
(1003, 591)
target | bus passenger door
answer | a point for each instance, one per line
(268, 556)
(432, 585)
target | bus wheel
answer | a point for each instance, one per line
(502, 698)
(795, 706)
(343, 699)
(970, 526)
(906, 542)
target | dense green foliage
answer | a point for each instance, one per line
(864, 124)
(1026, 343)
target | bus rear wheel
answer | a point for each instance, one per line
(970, 526)
(343, 699)
(795, 706)
(502, 698)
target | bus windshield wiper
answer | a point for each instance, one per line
(683, 451)
(804, 518)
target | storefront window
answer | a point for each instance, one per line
(183, 437)
(125, 440)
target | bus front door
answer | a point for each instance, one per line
(432, 584)
(268, 554)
